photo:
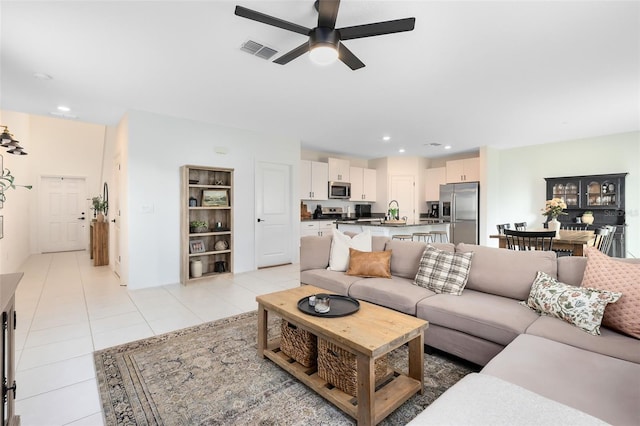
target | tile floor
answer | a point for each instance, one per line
(68, 308)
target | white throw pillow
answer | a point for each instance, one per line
(339, 257)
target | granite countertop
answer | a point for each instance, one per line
(386, 224)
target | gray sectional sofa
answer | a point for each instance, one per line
(597, 378)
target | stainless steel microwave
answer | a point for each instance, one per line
(341, 190)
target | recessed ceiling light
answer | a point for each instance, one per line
(401, 150)
(42, 76)
(63, 114)
(447, 147)
(64, 108)
(386, 138)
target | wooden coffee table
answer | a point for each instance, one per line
(369, 333)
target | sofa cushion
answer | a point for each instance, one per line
(395, 293)
(609, 342)
(443, 272)
(481, 399)
(580, 306)
(494, 318)
(603, 272)
(333, 281)
(314, 252)
(602, 386)
(339, 255)
(378, 242)
(407, 254)
(369, 264)
(507, 273)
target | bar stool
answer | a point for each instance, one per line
(426, 236)
(442, 236)
(402, 237)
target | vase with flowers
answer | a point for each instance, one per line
(99, 207)
(552, 209)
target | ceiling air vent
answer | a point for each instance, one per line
(258, 49)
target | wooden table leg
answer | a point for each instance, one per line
(416, 360)
(366, 390)
(578, 249)
(262, 329)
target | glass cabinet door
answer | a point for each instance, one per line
(569, 192)
(602, 193)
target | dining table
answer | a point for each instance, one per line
(574, 241)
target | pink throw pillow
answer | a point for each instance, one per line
(605, 273)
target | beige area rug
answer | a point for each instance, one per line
(210, 374)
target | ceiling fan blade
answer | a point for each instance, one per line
(293, 54)
(378, 28)
(328, 13)
(349, 58)
(270, 20)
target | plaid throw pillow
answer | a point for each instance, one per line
(443, 272)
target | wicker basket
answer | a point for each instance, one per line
(338, 367)
(299, 344)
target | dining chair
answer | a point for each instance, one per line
(529, 240)
(600, 237)
(520, 226)
(502, 227)
(608, 239)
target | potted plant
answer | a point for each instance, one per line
(7, 182)
(587, 217)
(99, 207)
(197, 226)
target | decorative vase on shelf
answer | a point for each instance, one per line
(196, 268)
(100, 217)
(554, 225)
(587, 218)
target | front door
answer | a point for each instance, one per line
(274, 227)
(64, 214)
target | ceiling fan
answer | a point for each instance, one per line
(325, 41)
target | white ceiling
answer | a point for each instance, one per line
(503, 73)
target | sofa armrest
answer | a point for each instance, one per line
(314, 252)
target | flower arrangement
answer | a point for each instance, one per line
(554, 207)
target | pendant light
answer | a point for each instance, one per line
(12, 145)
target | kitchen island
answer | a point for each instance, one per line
(389, 229)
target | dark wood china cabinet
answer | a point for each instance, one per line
(601, 194)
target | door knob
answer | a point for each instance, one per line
(113, 220)
(261, 220)
(81, 218)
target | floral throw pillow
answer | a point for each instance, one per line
(580, 306)
(443, 272)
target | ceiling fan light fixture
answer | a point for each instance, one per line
(323, 54)
(323, 45)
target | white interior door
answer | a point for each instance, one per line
(274, 227)
(64, 214)
(402, 189)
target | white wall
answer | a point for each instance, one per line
(157, 147)
(15, 212)
(521, 191)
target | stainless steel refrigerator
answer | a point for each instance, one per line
(459, 205)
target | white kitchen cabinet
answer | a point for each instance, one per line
(314, 180)
(317, 228)
(467, 170)
(363, 184)
(433, 179)
(339, 170)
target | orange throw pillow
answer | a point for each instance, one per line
(605, 273)
(369, 264)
